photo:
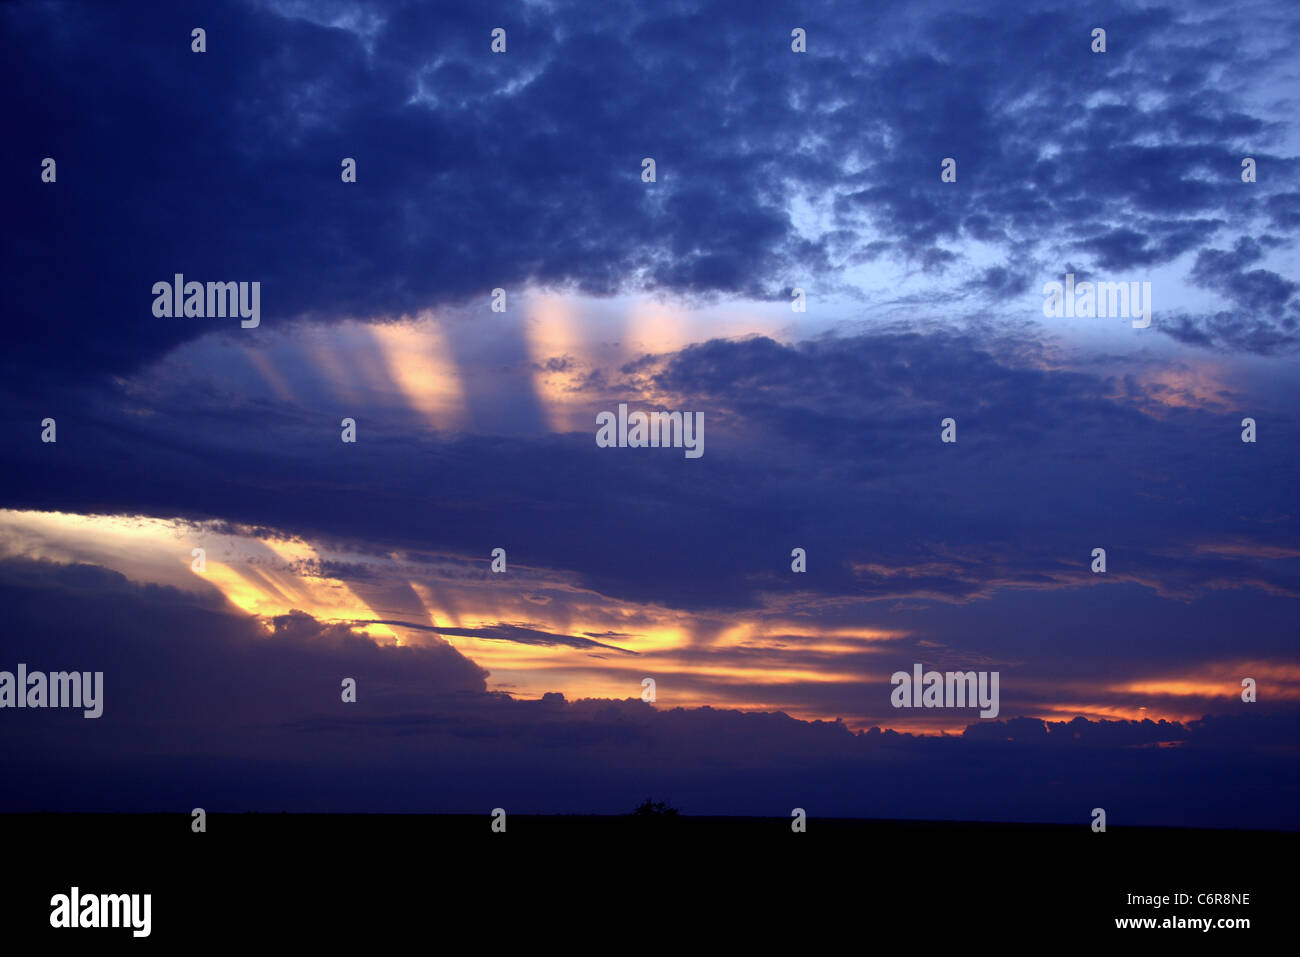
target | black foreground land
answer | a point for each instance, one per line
(615, 883)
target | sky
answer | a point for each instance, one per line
(800, 271)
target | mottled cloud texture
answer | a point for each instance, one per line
(475, 428)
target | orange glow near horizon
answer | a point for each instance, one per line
(1223, 680)
(767, 662)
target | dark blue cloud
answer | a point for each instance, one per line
(198, 709)
(479, 170)
(832, 443)
(774, 171)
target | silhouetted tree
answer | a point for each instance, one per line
(649, 808)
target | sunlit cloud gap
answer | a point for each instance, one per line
(576, 641)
